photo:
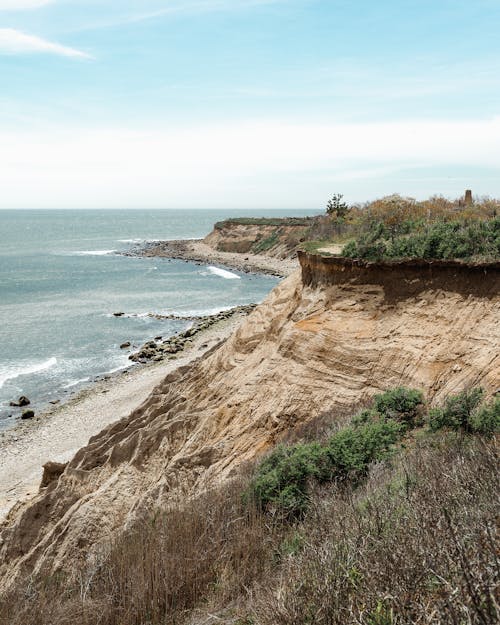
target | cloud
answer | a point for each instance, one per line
(16, 42)
(176, 8)
(20, 5)
(243, 165)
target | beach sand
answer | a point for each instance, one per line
(57, 434)
(196, 250)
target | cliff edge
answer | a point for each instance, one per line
(327, 337)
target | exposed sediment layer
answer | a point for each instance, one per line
(402, 278)
(321, 341)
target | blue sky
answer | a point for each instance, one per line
(246, 103)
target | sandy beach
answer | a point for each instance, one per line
(57, 434)
(196, 250)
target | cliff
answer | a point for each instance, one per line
(277, 238)
(326, 338)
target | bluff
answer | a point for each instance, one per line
(277, 238)
(326, 338)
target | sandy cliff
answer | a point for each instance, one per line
(278, 241)
(324, 339)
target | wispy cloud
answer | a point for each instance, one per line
(176, 8)
(21, 5)
(16, 42)
(201, 6)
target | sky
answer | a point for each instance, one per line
(246, 103)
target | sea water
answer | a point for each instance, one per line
(62, 278)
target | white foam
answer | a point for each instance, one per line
(75, 382)
(93, 253)
(223, 273)
(198, 312)
(16, 372)
(121, 368)
(85, 253)
(130, 240)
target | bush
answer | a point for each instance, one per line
(402, 404)
(353, 449)
(283, 478)
(457, 413)
(441, 240)
(487, 419)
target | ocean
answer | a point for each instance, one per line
(62, 277)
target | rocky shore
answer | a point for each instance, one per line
(57, 433)
(197, 251)
(159, 349)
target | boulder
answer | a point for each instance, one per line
(21, 402)
(125, 345)
(118, 314)
(27, 414)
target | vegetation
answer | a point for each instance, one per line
(265, 221)
(283, 479)
(463, 412)
(396, 227)
(392, 227)
(336, 207)
(396, 526)
(445, 240)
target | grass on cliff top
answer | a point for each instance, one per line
(398, 228)
(265, 221)
(398, 527)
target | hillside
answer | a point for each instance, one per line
(325, 339)
(278, 238)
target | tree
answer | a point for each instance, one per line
(336, 207)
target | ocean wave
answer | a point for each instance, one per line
(93, 253)
(121, 368)
(130, 240)
(174, 312)
(195, 312)
(16, 372)
(72, 383)
(223, 273)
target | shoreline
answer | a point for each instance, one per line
(57, 433)
(197, 251)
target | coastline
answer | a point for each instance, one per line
(59, 431)
(197, 251)
(57, 434)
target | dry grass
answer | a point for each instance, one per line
(392, 211)
(160, 570)
(415, 544)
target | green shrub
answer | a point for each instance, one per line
(283, 478)
(486, 420)
(401, 404)
(441, 240)
(352, 449)
(457, 412)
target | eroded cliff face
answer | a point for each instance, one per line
(277, 241)
(327, 341)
